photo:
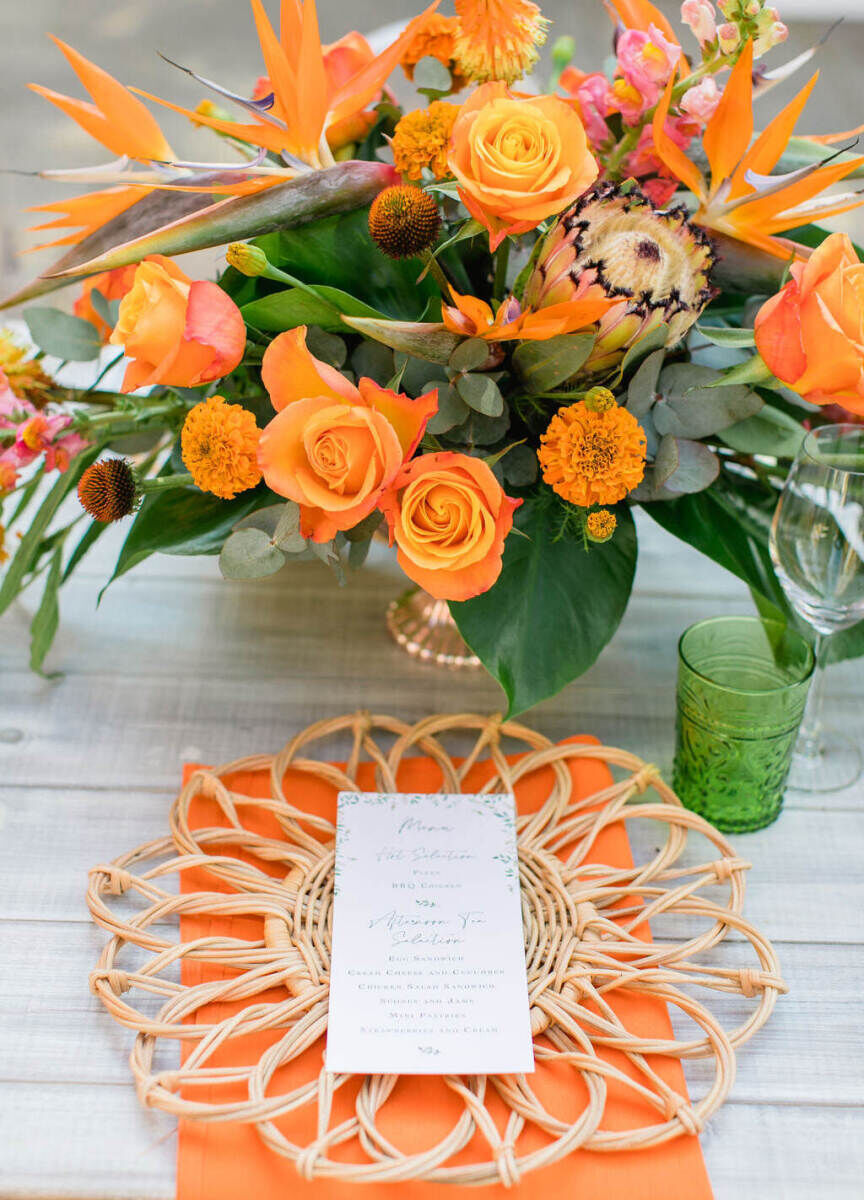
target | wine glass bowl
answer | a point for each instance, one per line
(817, 549)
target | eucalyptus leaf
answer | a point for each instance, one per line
(371, 360)
(545, 365)
(655, 340)
(63, 335)
(108, 310)
(430, 75)
(482, 394)
(326, 346)
(358, 552)
(481, 431)
(771, 431)
(469, 355)
(452, 411)
(683, 465)
(250, 554)
(691, 407)
(519, 466)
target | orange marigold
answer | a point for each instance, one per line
(592, 457)
(219, 444)
(422, 138)
(435, 38)
(498, 39)
(600, 525)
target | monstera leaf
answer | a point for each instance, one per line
(554, 607)
(173, 223)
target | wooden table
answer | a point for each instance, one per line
(178, 664)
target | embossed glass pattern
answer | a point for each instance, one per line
(742, 689)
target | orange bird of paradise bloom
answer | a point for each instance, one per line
(312, 91)
(471, 317)
(743, 199)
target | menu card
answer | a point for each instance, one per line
(428, 965)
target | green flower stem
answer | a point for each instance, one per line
(502, 259)
(279, 276)
(434, 268)
(85, 422)
(164, 483)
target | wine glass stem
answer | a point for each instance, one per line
(810, 736)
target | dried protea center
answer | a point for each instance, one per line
(656, 261)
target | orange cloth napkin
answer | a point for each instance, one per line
(231, 1162)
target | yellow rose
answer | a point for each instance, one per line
(518, 159)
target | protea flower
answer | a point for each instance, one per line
(615, 240)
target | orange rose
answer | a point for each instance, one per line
(811, 334)
(449, 517)
(333, 447)
(177, 331)
(113, 285)
(518, 159)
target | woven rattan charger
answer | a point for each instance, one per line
(582, 924)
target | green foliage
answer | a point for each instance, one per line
(61, 334)
(546, 365)
(279, 311)
(185, 521)
(339, 247)
(554, 607)
(44, 625)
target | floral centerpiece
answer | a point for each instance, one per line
(484, 327)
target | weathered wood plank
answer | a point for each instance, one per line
(53, 1031)
(55, 1145)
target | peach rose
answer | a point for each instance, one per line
(518, 159)
(113, 285)
(811, 334)
(332, 447)
(177, 331)
(449, 517)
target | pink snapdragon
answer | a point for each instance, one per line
(51, 436)
(594, 95)
(700, 101)
(701, 17)
(645, 62)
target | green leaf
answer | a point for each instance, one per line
(469, 355)
(29, 546)
(286, 310)
(43, 628)
(693, 408)
(92, 534)
(520, 466)
(63, 335)
(185, 521)
(250, 554)
(374, 361)
(655, 340)
(771, 431)
(108, 310)
(723, 335)
(482, 394)
(683, 465)
(430, 75)
(751, 371)
(554, 606)
(340, 248)
(729, 523)
(452, 411)
(545, 365)
(421, 339)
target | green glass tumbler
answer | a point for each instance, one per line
(742, 688)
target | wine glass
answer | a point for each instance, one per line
(817, 548)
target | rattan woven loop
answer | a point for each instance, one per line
(585, 940)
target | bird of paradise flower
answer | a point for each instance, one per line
(742, 199)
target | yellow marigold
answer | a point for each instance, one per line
(435, 38)
(592, 457)
(220, 446)
(600, 525)
(422, 138)
(498, 39)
